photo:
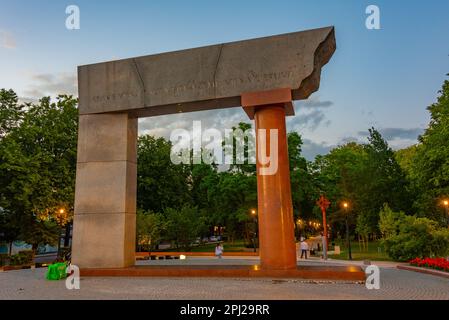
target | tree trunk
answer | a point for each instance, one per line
(34, 249)
(67, 235)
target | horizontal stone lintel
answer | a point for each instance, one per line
(206, 78)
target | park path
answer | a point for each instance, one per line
(395, 284)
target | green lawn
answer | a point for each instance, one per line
(237, 246)
(371, 254)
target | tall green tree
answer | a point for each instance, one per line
(305, 191)
(430, 168)
(11, 111)
(242, 139)
(383, 181)
(339, 175)
(37, 166)
(160, 183)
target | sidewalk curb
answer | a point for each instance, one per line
(425, 271)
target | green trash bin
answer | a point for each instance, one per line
(57, 271)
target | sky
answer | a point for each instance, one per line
(383, 78)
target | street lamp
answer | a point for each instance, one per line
(446, 207)
(60, 218)
(348, 242)
(299, 223)
(254, 214)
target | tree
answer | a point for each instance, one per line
(184, 225)
(232, 198)
(405, 158)
(241, 136)
(430, 166)
(304, 189)
(149, 229)
(39, 232)
(160, 183)
(416, 238)
(37, 166)
(339, 175)
(204, 177)
(9, 228)
(383, 181)
(339, 171)
(11, 112)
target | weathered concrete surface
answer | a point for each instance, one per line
(208, 77)
(105, 195)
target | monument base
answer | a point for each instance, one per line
(348, 273)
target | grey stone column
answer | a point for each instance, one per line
(105, 196)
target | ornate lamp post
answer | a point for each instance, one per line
(324, 203)
(348, 242)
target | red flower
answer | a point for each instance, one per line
(434, 263)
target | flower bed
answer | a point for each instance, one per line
(434, 263)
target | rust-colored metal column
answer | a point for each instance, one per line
(275, 210)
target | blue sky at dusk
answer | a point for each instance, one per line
(383, 78)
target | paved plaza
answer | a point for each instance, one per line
(395, 284)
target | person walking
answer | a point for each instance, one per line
(219, 250)
(304, 248)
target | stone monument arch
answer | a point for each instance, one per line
(263, 75)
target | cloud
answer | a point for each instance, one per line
(351, 139)
(391, 134)
(7, 40)
(46, 84)
(311, 149)
(307, 119)
(314, 103)
(309, 115)
(162, 126)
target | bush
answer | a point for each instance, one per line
(416, 237)
(23, 257)
(149, 229)
(184, 226)
(3, 259)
